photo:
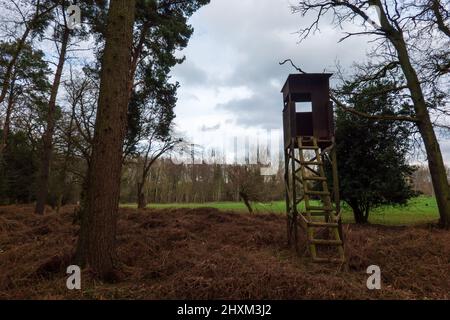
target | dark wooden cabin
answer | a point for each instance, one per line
(308, 111)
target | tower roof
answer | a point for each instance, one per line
(299, 78)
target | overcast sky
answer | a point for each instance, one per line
(231, 79)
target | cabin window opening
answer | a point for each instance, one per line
(302, 107)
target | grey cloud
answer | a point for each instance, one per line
(258, 31)
(261, 110)
(212, 128)
(190, 73)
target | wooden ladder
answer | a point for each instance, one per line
(323, 217)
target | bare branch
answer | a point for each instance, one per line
(371, 116)
(293, 65)
(436, 7)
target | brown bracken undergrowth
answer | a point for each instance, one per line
(209, 254)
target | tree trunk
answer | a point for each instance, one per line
(435, 160)
(6, 125)
(141, 184)
(437, 170)
(357, 214)
(366, 215)
(63, 174)
(142, 203)
(96, 243)
(244, 197)
(361, 215)
(137, 50)
(47, 138)
(434, 155)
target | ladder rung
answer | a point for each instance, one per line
(317, 193)
(308, 148)
(335, 260)
(318, 213)
(326, 242)
(314, 178)
(323, 224)
(319, 208)
(311, 163)
(324, 140)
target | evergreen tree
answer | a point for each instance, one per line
(17, 170)
(372, 154)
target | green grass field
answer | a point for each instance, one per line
(419, 210)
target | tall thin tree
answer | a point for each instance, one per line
(47, 138)
(96, 243)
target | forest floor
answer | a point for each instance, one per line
(204, 253)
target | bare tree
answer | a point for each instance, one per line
(153, 150)
(82, 96)
(248, 183)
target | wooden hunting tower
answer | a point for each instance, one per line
(307, 111)
(308, 127)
